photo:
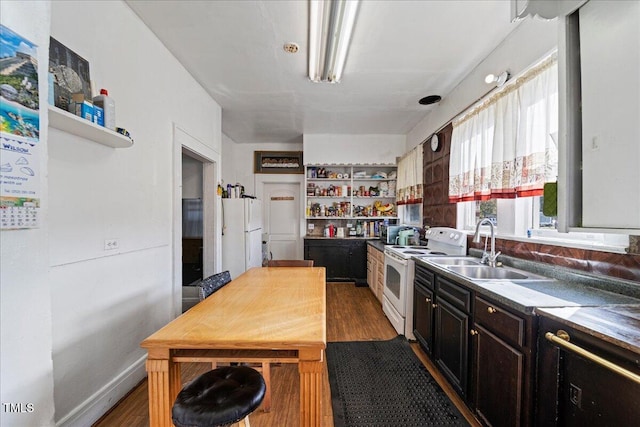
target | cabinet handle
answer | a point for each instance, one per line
(491, 310)
(473, 332)
(561, 339)
(434, 305)
(427, 299)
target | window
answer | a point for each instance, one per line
(505, 147)
(503, 151)
(522, 219)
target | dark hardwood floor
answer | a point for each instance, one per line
(353, 314)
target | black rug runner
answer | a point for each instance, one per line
(383, 383)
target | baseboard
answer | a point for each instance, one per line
(101, 401)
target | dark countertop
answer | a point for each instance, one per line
(527, 296)
(377, 243)
(618, 325)
(603, 307)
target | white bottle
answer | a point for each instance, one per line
(109, 106)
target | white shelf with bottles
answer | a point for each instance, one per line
(65, 121)
(354, 192)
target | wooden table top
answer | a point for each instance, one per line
(264, 308)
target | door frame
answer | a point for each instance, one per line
(184, 142)
(262, 179)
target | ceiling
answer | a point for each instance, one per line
(401, 51)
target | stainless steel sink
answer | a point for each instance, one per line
(455, 261)
(484, 272)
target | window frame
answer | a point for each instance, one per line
(516, 219)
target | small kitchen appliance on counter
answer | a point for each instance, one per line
(388, 233)
(397, 299)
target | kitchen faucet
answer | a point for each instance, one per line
(487, 258)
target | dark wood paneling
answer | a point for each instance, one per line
(437, 211)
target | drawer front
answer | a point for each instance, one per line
(455, 294)
(507, 326)
(424, 277)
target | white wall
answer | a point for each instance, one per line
(26, 375)
(528, 43)
(237, 166)
(73, 314)
(353, 149)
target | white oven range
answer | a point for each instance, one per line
(397, 299)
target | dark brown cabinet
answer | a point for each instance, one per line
(575, 391)
(441, 322)
(485, 350)
(502, 365)
(423, 305)
(344, 259)
(451, 347)
(451, 333)
(499, 371)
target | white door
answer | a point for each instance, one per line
(282, 220)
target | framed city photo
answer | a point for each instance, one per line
(278, 162)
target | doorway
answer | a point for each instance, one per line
(192, 220)
(205, 162)
(282, 220)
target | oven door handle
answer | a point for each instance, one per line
(398, 259)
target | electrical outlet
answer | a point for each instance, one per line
(110, 244)
(575, 395)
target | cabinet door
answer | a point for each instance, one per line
(371, 269)
(451, 345)
(578, 392)
(358, 261)
(499, 376)
(423, 317)
(335, 258)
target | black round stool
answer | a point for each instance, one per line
(219, 397)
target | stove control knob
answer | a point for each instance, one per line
(456, 237)
(451, 236)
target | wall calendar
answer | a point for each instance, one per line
(20, 146)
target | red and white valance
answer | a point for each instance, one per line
(506, 146)
(410, 177)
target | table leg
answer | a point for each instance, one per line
(310, 393)
(164, 385)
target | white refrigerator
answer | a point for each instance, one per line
(241, 235)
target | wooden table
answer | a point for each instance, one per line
(269, 310)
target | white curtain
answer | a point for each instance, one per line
(505, 147)
(410, 177)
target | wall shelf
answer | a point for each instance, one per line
(78, 126)
(342, 176)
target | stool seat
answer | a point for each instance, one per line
(219, 397)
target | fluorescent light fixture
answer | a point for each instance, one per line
(330, 28)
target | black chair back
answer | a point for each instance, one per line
(212, 283)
